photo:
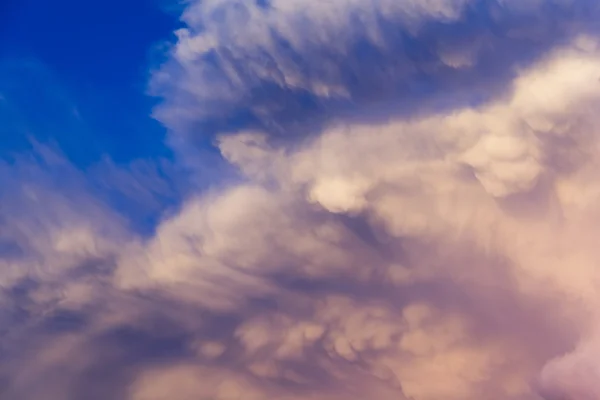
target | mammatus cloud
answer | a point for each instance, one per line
(448, 253)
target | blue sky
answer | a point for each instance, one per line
(299, 199)
(74, 76)
(76, 73)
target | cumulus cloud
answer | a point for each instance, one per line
(286, 66)
(444, 252)
(417, 251)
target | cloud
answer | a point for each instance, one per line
(414, 251)
(286, 66)
(444, 252)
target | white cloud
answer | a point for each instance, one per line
(281, 64)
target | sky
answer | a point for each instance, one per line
(77, 73)
(299, 200)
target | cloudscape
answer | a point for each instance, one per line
(334, 200)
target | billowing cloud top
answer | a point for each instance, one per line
(280, 65)
(415, 216)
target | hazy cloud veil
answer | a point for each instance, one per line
(416, 216)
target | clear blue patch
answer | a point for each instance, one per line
(75, 72)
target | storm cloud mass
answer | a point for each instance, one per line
(414, 215)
